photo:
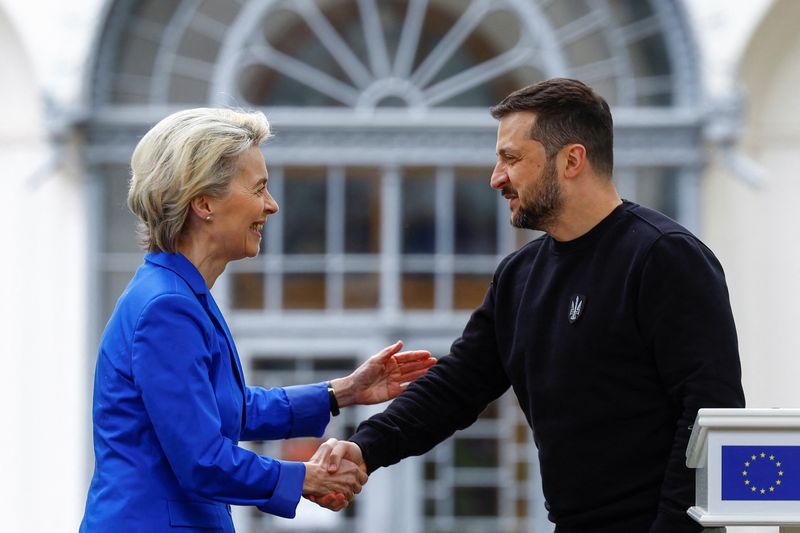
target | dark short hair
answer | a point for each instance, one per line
(567, 111)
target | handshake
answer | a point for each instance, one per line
(335, 474)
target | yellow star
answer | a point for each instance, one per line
(778, 463)
(771, 457)
(747, 463)
(763, 491)
(772, 489)
(780, 472)
(746, 481)
(778, 482)
(763, 455)
(753, 489)
(744, 473)
(753, 457)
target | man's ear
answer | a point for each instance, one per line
(575, 160)
(201, 207)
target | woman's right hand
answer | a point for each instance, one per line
(345, 483)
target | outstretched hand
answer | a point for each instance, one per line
(383, 376)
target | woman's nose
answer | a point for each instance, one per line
(270, 205)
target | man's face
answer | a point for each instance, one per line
(524, 175)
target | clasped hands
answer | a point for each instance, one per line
(335, 474)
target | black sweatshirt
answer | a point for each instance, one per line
(611, 341)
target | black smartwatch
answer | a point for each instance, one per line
(334, 405)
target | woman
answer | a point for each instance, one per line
(170, 401)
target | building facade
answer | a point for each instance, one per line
(388, 229)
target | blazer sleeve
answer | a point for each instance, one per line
(171, 359)
(283, 413)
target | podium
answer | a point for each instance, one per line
(747, 465)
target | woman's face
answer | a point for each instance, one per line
(239, 217)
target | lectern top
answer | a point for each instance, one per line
(735, 419)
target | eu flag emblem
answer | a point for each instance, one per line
(767, 473)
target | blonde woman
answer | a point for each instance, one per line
(170, 399)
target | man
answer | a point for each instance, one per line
(613, 329)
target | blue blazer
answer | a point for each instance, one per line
(170, 406)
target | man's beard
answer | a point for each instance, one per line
(546, 204)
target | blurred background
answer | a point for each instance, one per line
(388, 228)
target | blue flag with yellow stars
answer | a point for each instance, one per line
(765, 473)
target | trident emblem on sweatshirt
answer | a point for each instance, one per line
(576, 307)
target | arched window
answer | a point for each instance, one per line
(381, 163)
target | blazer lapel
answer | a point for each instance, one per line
(217, 315)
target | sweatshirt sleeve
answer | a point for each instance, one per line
(685, 316)
(171, 358)
(449, 397)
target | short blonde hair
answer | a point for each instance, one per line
(187, 154)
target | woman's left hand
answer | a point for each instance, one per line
(383, 376)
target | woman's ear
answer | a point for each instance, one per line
(576, 161)
(201, 207)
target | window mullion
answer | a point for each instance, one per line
(335, 228)
(391, 198)
(445, 234)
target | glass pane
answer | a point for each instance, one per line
(188, 89)
(521, 471)
(361, 291)
(522, 508)
(649, 57)
(304, 208)
(476, 453)
(476, 212)
(629, 11)
(469, 290)
(657, 188)
(430, 470)
(247, 290)
(563, 12)
(362, 211)
(498, 32)
(419, 217)
(304, 291)
(476, 501)
(589, 49)
(286, 31)
(120, 223)
(197, 45)
(418, 291)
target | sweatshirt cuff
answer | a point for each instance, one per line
(288, 490)
(310, 407)
(365, 442)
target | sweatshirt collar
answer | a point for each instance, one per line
(594, 234)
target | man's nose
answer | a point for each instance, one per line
(499, 177)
